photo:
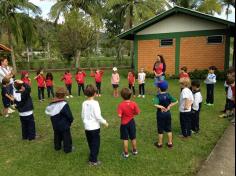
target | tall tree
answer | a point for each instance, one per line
(135, 11)
(11, 13)
(228, 4)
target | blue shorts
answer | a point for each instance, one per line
(128, 131)
(6, 102)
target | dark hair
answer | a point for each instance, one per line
(184, 68)
(162, 59)
(126, 93)
(196, 83)
(163, 90)
(230, 80)
(60, 92)
(38, 71)
(212, 68)
(49, 76)
(5, 81)
(132, 72)
(231, 70)
(90, 90)
(2, 59)
(78, 70)
(67, 71)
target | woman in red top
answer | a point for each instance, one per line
(49, 84)
(98, 79)
(183, 73)
(80, 78)
(41, 84)
(159, 69)
(25, 78)
(67, 78)
(131, 80)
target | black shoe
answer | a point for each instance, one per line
(169, 145)
(158, 145)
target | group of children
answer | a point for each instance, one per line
(190, 103)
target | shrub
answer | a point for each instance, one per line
(202, 74)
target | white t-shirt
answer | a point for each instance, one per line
(230, 93)
(186, 93)
(91, 115)
(5, 71)
(141, 77)
(197, 100)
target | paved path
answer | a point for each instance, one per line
(221, 161)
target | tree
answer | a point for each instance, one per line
(135, 11)
(227, 4)
(76, 35)
(11, 14)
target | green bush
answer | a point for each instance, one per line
(202, 74)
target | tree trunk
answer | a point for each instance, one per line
(12, 51)
(28, 56)
(227, 12)
(77, 58)
(131, 43)
(48, 47)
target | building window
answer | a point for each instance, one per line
(216, 39)
(166, 42)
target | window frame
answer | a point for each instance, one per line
(167, 45)
(218, 43)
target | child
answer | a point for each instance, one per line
(61, 118)
(6, 97)
(210, 81)
(24, 105)
(98, 79)
(197, 103)
(49, 84)
(92, 118)
(131, 80)
(115, 79)
(41, 84)
(186, 101)
(67, 78)
(141, 82)
(163, 102)
(126, 111)
(79, 77)
(183, 73)
(230, 98)
(25, 77)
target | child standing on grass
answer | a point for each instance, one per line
(98, 74)
(141, 82)
(92, 118)
(6, 97)
(163, 102)
(126, 111)
(115, 79)
(183, 73)
(24, 105)
(186, 101)
(80, 78)
(67, 78)
(50, 84)
(131, 80)
(197, 104)
(61, 118)
(25, 77)
(210, 82)
(41, 84)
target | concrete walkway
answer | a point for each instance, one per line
(221, 161)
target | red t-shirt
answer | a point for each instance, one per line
(49, 83)
(159, 69)
(233, 91)
(97, 76)
(131, 78)
(79, 77)
(183, 75)
(41, 81)
(127, 110)
(26, 80)
(67, 79)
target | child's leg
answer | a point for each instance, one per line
(212, 94)
(188, 123)
(193, 120)
(197, 121)
(133, 88)
(143, 89)
(182, 124)
(31, 127)
(48, 91)
(67, 141)
(170, 138)
(57, 140)
(52, 91)
(70, 88)
(79, 89)
(39, 93)
(100, 91)
(93, 138)
(125, 146)
(23, 128)
(140, 89)
(208, 93)
(134, 144)
(5, 111)
(160, 139)
(82, 86)
(42, 90)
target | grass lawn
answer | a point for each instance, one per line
(38, 158)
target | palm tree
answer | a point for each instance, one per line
(12, 13)
(135, 11)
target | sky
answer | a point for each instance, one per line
(45, 5)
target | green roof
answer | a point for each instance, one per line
(129, 35)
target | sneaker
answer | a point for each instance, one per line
(134, 152)
(158, 145)
(169, 145)
(223, 115)
(139, 96)
(143, 96)
(67, 97)
(10, 110)
(95, 163)
(125, 155)
(7, 115)
(71, 96)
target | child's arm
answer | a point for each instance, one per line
(97, 112)
(156, 104)
(9, 97)
(187, 104)
(36, 77)
(173, 103)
